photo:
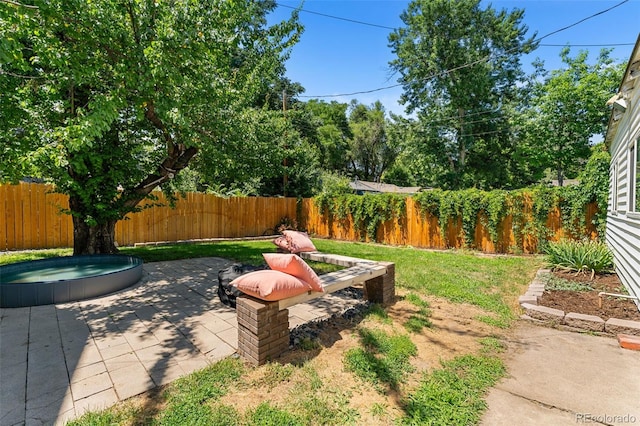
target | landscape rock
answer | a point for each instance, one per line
(615, 326)
(584, 322)
(543, 313)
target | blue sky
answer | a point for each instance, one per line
(338, 57)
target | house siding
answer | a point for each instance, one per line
(623, 224)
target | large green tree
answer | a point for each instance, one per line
(333, 133)
(370, 153)
(567, 111)
(459, 66)
(108, 100)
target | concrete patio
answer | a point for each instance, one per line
(58, 361)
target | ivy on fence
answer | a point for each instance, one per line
(367, 211)
(529, 210)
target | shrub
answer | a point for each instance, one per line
(580, 256)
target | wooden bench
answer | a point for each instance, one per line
(263, 327)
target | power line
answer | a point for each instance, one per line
(587, 45)
(354, 21)
(582, 20)
(379, 89)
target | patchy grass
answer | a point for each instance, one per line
(453, 395)
(377, 312)
(416, 323)
(188, 400)
(383, 360)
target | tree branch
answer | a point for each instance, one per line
(15, 3)
(134, 24)
(19, 75)
(169, 168)
(150, 114)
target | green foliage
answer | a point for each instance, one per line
(368, 211)
(461, 84)
(492, 207)
(454, 394)
(384, 359)
(580, 256)
(334, 184)
(225, 415)
(108, 417)
(315, 403)
(414, 299)
(333, 133)
(560, 284)
(274, 374)
(500, 321)
(468, 206)
(492, 346)
(416, 323)
(370, 153)
(109, 100)
(566, 111)
(399, 175)
(594, 185)
(14, 257)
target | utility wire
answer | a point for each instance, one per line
(587, 45)
(582, 20)
(486, 58)
(336, 17)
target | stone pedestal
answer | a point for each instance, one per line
(382, 289)
(263, 330)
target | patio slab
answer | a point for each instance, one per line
(58, 361)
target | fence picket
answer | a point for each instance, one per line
(33, 220)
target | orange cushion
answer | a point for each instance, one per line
(298, 241)
(270, 285)
(293, 265)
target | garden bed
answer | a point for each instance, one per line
(571, 292)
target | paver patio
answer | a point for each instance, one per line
(58, 361)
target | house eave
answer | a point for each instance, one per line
(630, 79)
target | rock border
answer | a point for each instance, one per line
(572, 320)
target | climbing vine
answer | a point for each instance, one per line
(367, 211)
(526, 211)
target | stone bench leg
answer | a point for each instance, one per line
(382, 289)
(263, 330)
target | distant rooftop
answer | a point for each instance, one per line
(361, 186)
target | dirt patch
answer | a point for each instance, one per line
(588, 302)
(318, 377)
(454, 331)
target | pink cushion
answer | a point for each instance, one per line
(282, 243)
(293, 265)
(298, 241)
(270, 285)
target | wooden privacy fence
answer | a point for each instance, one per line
(32, 218)
(423, 230)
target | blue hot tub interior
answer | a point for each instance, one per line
(65, 279)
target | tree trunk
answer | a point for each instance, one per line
(91, 239)
(560, 175)
(98, 239)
